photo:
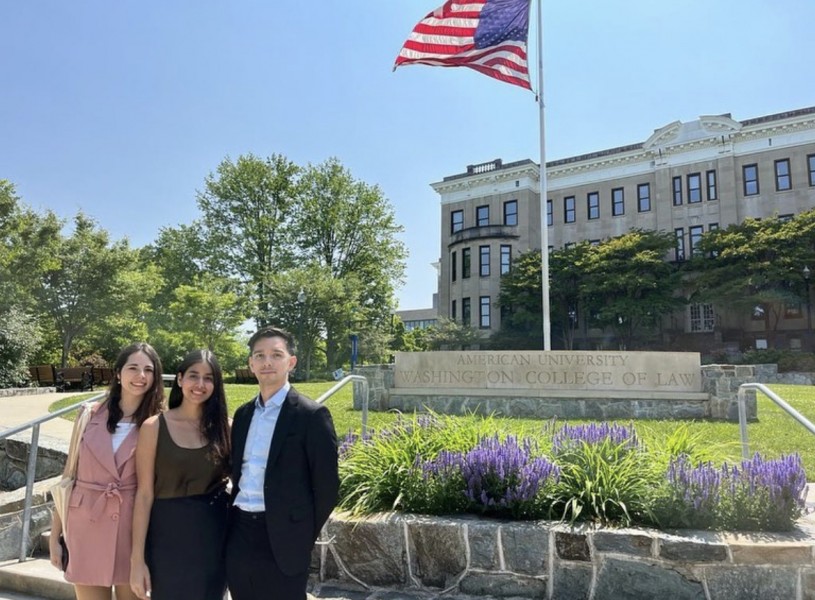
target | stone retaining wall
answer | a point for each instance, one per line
(543, 559)
(27, 391)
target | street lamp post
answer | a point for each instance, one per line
(301, 301)
(807, 274)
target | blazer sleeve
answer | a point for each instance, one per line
(322, 457)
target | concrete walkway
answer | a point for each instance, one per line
(16, 410)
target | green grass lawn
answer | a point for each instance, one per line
(775, 432)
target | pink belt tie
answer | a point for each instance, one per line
(110, 492)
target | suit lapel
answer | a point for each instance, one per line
(240, 429)
(281, 430)
(98, 443)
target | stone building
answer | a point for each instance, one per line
(686, 178)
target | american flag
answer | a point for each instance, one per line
(486, 35)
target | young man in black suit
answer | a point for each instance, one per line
(284, 476)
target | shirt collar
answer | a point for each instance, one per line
(276, 399)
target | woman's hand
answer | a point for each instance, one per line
(140, 579)
(55, 551)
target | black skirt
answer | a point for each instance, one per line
(185, 547)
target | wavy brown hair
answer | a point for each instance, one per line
(152, 399)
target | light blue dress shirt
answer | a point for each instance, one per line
(256, 451)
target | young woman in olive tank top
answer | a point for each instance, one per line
(179, 519)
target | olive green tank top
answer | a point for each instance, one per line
(181, 472)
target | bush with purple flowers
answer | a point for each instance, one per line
(756, 495)
(598, 472)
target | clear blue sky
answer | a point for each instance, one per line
(121, 109)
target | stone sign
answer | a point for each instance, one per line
(553, 370)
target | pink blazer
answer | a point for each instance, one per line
(100, 510)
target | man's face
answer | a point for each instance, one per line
(271, 362)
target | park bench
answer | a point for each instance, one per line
(102, 375)
(43, 375)
(81, 377)
(244, 376)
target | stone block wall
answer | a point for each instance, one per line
(544, 559)
(721, 382)
(51, 455)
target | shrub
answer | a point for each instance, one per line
(497, 477)
(19, 338)
(606, 475)
(787, 360)
(376, 471)
(599, 472)
(757, 495)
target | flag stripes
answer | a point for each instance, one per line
(464, 34)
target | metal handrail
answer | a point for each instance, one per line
(341, 383)
(34, 425)
(745, 452)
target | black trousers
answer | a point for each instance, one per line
(251, 570)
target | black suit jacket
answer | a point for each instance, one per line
(301, 483)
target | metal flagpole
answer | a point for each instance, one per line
(547, 326)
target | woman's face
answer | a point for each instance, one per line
(137, 375)
(197, 383)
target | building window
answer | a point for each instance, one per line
(644, 197)
(569, 245)
(593, 205)
(465, 263)
(569, 209)
(453, 267)
(677, 189)
(482, 216)
(453, 310)
(511, 212)
(782, 175)
(617, 202)
(811, 168)
(484, 261)
(594, 242)
(786, 217)
(549, 211)
(695, 237)
(465, 312)
(694, 188)
(484, 312)
(679, 232)
(712, 194)
(713, 227)
(506, 259)
(792, 310)
(456, 221)
(702, 318)
(750, 173)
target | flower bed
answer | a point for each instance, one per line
(599, 473)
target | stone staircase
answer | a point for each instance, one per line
(35, 577)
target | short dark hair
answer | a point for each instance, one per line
(270, 332)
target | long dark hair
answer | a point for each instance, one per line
(214, 419)
(150, 403)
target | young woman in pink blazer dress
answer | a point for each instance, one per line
(100, 509)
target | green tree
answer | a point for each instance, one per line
(26, 247)
(521, 303)
(348, 229)
(246, 207)
(78, 286)
(208, 314)
(755, 265)
(19, 338)
(451, 335)
(628, 285)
